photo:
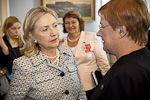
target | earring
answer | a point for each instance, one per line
(35, 41)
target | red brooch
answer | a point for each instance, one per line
(87, 47)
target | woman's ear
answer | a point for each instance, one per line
(123, 31)
(31, 36)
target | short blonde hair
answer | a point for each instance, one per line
(131, 13)
(31, 18)
(7, 24)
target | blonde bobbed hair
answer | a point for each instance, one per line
(30, 47)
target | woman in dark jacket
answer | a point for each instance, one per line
(10, 45)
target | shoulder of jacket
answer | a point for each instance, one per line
(65, 49)
(22, 59)
(23, 64)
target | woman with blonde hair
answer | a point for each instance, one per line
(10, 45)
(46, 71)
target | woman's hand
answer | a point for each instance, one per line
(4, 70)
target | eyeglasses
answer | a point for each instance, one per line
(102, 27)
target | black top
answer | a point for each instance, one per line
(148, 44)
(6, 60)
(127, 79)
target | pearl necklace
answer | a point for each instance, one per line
(57, 57)
(57, 60)
(74, 39)
(57, 52)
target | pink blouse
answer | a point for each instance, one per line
(90, 56)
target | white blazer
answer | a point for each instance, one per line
(37, 78)
(87, 60)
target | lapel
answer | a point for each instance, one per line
(39, 58)
(64, 55)
(80, 43)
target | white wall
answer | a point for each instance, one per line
(19, 8)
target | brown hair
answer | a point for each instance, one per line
(76, 15)
(133, 14)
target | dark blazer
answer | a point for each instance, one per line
(148, 44)
(128, 79)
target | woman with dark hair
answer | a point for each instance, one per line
(87, 47)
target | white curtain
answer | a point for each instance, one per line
(4, 11)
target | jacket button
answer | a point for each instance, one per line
(62, 74)
(66, 92)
